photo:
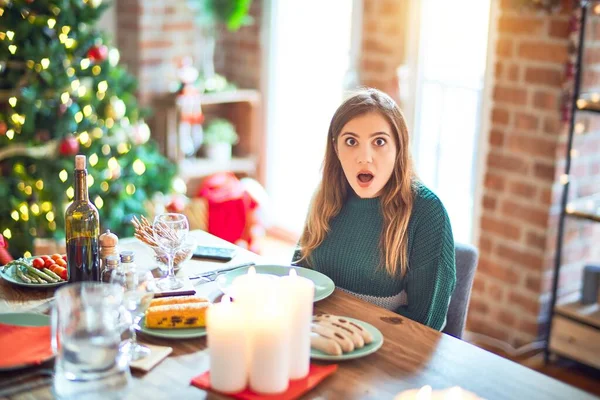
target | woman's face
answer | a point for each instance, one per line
(366, 147)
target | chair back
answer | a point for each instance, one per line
(466, 264)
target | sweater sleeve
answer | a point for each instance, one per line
(431, 276)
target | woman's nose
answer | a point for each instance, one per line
(364, 155)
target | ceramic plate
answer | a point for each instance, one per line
(365, 351)
(24, 319)
(324, 286)
(188, 333)
(9, 275)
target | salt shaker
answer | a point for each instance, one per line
(111, 263)
(127, 260)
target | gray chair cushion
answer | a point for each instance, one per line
(466, 264)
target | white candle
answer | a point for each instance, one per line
(426, 393)
(270, 360)
(227, 346)
(299, 293)
(251, 292)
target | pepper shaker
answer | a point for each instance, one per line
(108, 247)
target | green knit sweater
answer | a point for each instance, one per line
(350, 255)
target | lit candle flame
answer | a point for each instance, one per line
(293, 272)
(252, 271)
(454, 393)
(226, 299)
(424, 393)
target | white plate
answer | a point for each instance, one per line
(9, 275)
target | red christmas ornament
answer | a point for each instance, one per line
(62, 109)
(5, 256)
(3, 128)
(97, 53)
(69, 146)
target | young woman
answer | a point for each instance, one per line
(373, 228)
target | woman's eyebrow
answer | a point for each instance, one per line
(379, 133)
(371, 135)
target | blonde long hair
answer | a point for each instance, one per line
(397, 195)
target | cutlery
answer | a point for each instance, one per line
(208, 274)
(19, 383)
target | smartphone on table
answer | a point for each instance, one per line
(213, 253)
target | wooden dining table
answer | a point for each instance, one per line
(412, 355)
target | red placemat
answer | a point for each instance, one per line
(21, 345)
(297, 388)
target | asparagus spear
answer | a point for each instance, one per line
(39, 273)
(52, 274)
(22, 276)
(34, 278)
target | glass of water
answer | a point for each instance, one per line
(138, 290)
(86, 340)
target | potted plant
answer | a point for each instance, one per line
(210, 15)
(219, 137)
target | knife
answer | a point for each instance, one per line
(224, 269)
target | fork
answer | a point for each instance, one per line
(205, 279)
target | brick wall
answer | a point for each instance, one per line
(521, 193)
(153, 36)
(382, 50)
(239, 54)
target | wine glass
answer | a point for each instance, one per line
(139, 287)
(170, 231)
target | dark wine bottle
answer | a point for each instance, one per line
(82, 230)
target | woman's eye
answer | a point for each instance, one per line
(350, 141)
(380, 142)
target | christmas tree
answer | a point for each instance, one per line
(62, 93)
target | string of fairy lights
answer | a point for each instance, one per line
(115, 111)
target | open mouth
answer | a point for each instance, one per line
(365, 178)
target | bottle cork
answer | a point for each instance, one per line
(80, 162)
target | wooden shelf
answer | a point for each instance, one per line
(234, 96)
(191, 168)
(242, 107)
(587, 313)
(230, 96)
(585, 208)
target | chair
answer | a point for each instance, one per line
(466, 264)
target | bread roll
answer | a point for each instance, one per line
(327, 346)
(348, 330)
(366, 335)
(336, 334)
